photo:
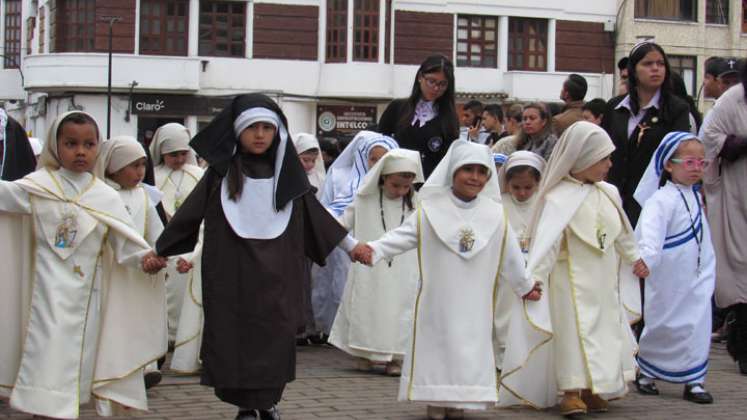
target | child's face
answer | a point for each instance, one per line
(374, 155)
(687, 164)
(469, 180)
(77, 147)
(397, 185)
(589, 116)
(594, 173)
(175, 160)
(308, 159)
(257, 138)
(522, 186)
(131, 175)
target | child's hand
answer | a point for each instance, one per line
(640, 269)
(183, 266)
(536, 292)
(152, 264)
(362, 253)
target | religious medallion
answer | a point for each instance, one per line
(601, 237)
(466, 239)
(66, 231)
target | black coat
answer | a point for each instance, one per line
(632, 154)
(18, 159)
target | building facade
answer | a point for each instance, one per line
(333, 65)
(690, 31)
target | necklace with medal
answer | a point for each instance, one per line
(698, 240)
(383, 220)
(178, 198)
(466, 234)
(600, 228)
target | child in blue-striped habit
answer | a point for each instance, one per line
(675, 242)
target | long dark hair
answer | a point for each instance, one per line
(445, 103)
(522, 137)
(636, 55)
(679, 90)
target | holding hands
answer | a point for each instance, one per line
(640, 269)
(363, 254)
(536, 292)
(183, 266)
(152, 263)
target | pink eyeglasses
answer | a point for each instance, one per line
(691, 163)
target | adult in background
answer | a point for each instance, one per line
(492, 122)
(507, 144)
(593, 111)
(725, 139)
(535, 134)
(714, 66)
(573, 93)
(638, 121)
(470, 120)
(427, 120)
(622, 67)
(16, 155)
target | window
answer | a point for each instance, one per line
(164, 27)
(527, 44)
(366, 30)
(666, 9)
(476, 41)
(717, 11)
(744, 16)
(222, 29)
(76, 25)
(685, 66)
(337, 31)
(42, 29)
(12, 46)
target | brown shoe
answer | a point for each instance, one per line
(594, 403)
(572, 404)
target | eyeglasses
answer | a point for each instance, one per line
(691, 163)
(436, 84)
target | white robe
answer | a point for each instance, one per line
(676, 339)
(176, 186)
(375, 315)
(74, 342)
(451, 361)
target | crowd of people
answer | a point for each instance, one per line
(488, 255)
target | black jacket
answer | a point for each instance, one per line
(18, 159)
(632, 154)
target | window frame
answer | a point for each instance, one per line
(638, 14)
(676, 65)
(712, 12)
(166, 34)
(480, 41)
(12, 43)
(42, 29)
(514, 52)
(208, 46)
(72, 41)
(366, 22)
(336, 32)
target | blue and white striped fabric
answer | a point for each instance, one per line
(693, 374)
(650, 181)
(499, 158)
(347, 172)
(689, 233)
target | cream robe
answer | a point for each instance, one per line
(724, 190)
(59, 359)
(176, 186)
(186, 357)
(577, 336)
(451, 360)
(375, 315)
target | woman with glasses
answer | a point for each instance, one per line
(427, 120)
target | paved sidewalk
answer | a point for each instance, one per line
(329, 387)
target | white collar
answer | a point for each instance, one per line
(654, 102)
(253, 215)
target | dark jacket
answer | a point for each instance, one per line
(632, 154)
(18, 159)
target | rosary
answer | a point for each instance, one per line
(381, 209)
(698, 240)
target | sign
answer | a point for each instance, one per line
(343, 122)
(177, 105)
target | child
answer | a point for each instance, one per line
(578, 233)
(459, 229)
(675, 242)
(374, 316)
(66, 331)
(176, 174)
(519, 179)
(309, 152)
(343, 180)
(262, 222)
(121, 164)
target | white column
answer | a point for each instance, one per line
(503, 43)
(194, 28)
(551, 45)
(249, 31)
(382, 31)
(136, 49)
(322, 32)
(191, 123)
(349, 44)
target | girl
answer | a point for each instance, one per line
(459, 228)
(121, 164)
(578, 235)
(675, 242)
(309, 152)
(176, 174)
(67, 334)
(262, 222)
(427, 120)
(343, 180)
(373, 319)
(637, 122)
(519, 179)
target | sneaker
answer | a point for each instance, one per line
(572, 404)
(697, 394)
(436, 413)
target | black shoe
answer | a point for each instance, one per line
(247, 415)
(271, 414)
(742, 365)
(697, 397)
(318, 339)
(302, 341)
(646, 389)
(152, 379)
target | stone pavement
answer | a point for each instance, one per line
(329, 387)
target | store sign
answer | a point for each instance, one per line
(177, 105)
(343, 122)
